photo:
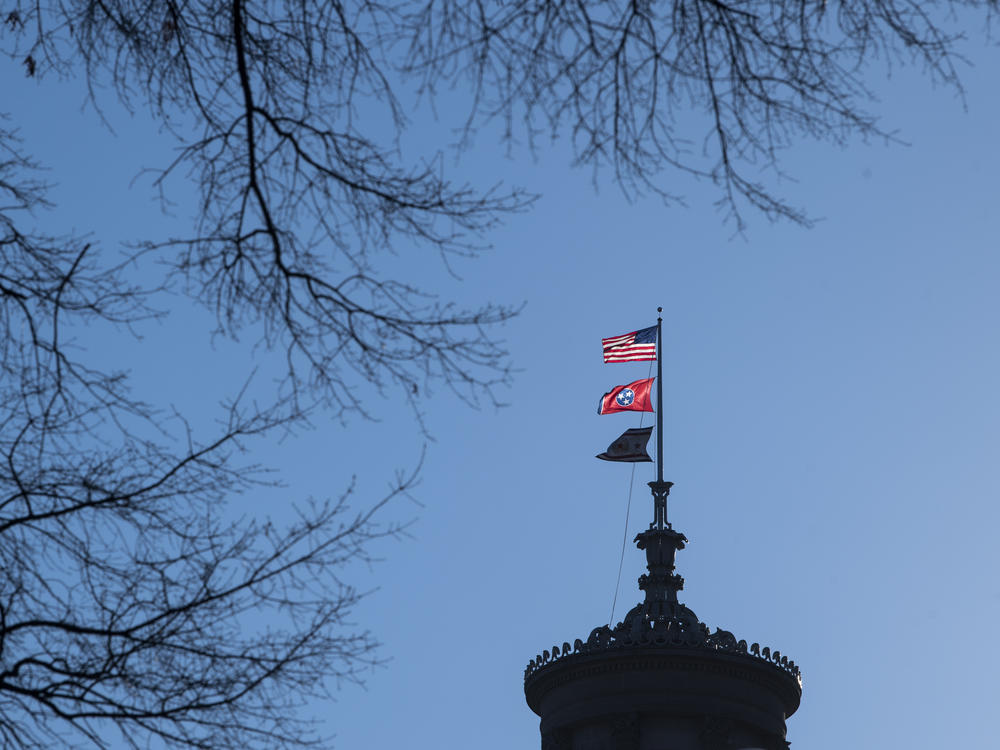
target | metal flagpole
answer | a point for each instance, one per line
(659, 488)
(659, 396)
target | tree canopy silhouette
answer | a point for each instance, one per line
(128, 600)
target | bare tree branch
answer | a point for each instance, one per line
(131, 599)
(705, 88)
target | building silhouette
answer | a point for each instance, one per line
(659, 679)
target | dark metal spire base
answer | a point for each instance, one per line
(660, 492)
(661, 613)
(661, 621)
(660, 674)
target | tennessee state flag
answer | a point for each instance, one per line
(631, 397)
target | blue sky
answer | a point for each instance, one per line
(831, 418)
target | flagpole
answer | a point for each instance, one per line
(659, 396)
(659, 488)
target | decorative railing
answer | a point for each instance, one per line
(603, 639)
(661, 620)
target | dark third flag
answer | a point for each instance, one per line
(631, 446)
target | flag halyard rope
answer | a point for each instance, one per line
(628, 510)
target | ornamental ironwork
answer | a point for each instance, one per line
(660, 620)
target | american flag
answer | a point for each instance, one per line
(638, 346)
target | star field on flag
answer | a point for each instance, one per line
(637, 346)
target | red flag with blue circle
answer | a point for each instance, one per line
(631, 397)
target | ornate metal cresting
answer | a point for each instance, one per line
(660, 620)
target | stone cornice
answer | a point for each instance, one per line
(690, 639)
(742, 667)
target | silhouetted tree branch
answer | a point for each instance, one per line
(127, 597)
(130, 598)
(652, 89)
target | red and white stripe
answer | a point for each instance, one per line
(624, 349)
